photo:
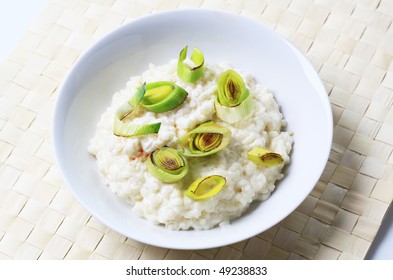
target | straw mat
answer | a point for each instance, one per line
(350, 44)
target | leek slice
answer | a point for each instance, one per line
(188, 73)
(163, 96)
(157, 97)
(205, 187)
(233, 114)
(233, 100)
(167, 165)
(207, 139)
(265, 157)
(126, 129)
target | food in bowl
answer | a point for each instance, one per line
(190, 145)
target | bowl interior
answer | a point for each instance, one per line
(106, 67)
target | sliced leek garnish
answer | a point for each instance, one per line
(205, 187)
(233, 101)
(233, 114)
(163, 96)
(208, 138)
(265, 157)
(122, 128)
(167, 165)
(188, 73)
(157, 97)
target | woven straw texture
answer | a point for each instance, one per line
(350, 44)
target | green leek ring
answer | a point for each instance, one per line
(163, 96)
(127, 129)
(233, 100)
(167, 165)
(207, 139)
(265, 157)
(157, 97)
(205, 187)
(187, 73)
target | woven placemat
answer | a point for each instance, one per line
(350, 44)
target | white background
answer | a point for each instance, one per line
(275, 270)
(15, 18)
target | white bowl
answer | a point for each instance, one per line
(106, 67)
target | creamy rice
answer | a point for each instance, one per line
(121, 160)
